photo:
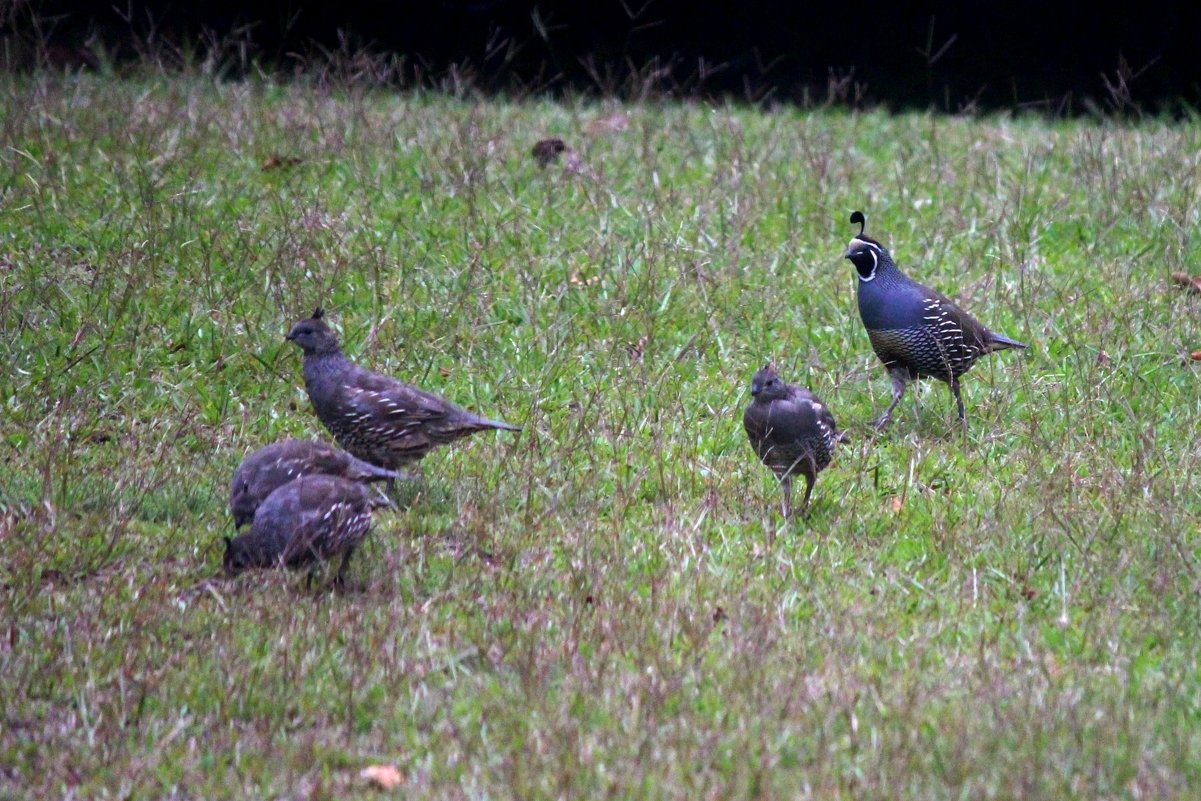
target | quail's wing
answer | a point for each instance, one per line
(382, 400)
(824, 417)
(304, 546)
(326, 460)
(790, 420)
(298, 458)
(319, 509)
(754, 420)
(958, 330)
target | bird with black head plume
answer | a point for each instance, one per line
(917, 332)
(376, 417)
(791, 431)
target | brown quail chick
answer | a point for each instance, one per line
(306, 521)
(791, 431)
(272, 466)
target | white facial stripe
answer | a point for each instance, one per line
(874, 247)
(875, 263)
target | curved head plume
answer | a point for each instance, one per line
(313, 336)
(857, 217)
(766, 385)
(864, 252)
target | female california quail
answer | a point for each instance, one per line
(790, 430)
(270, 467)
(307, 520)
(916, 332)
(376, 417)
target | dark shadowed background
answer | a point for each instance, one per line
(945, 55)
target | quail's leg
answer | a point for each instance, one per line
(808, 492)
(898, 389)
(383, 498)
(340, 578)
(787, 483)
(958, 400)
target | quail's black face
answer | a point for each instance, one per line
(313, 336)
(766, 385)
(866, 257)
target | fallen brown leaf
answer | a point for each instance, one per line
(579, 280)
(1189, 282)
(275, 161)
(385, 777)
(1196, 355)
(897, 504)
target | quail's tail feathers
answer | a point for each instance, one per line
(1001, 342)
(484, 422)
(365, 471)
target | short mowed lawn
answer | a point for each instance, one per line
(609, 604)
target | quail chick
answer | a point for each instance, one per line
(917, 332)
(272, 466)
(310, 519)
(791, 431)
(375, 417)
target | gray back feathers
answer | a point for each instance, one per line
(304, 521)
(376, 417)
(791, 431)
(271, 467)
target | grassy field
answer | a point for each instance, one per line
(607, 605)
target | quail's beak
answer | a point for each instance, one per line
(848, 254)
(288, 336)
(756, 389)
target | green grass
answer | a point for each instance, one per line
(608, 605)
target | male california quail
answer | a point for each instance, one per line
(790, 430)
(280, 462)
(376, 417)
(915, 331)
(309, 519)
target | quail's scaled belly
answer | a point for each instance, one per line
(917, 350)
